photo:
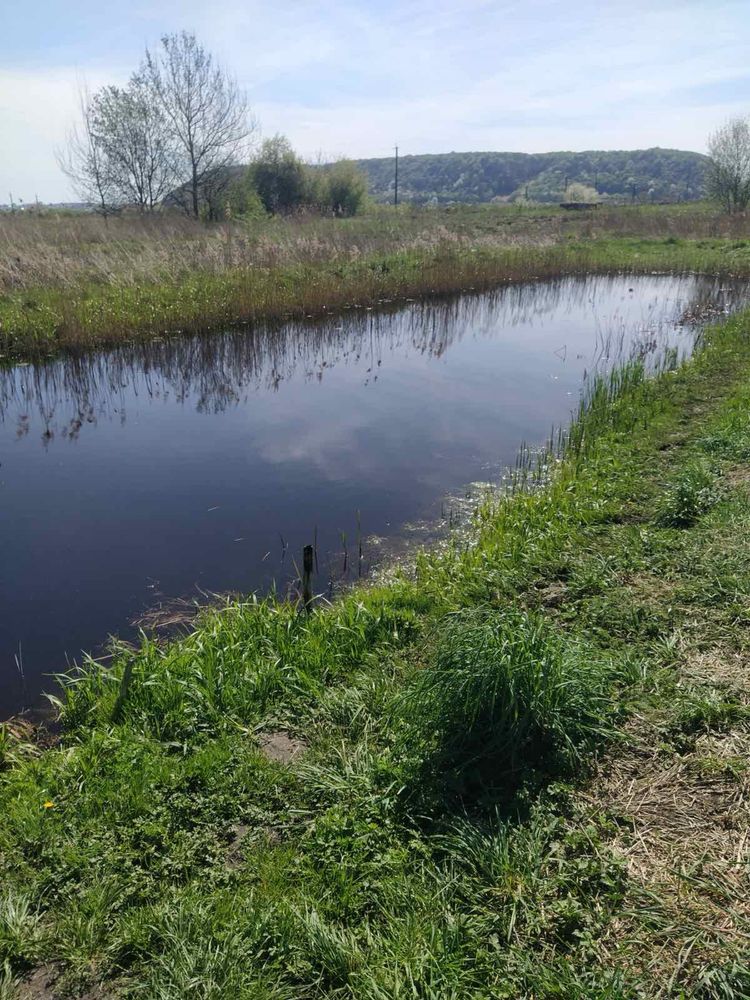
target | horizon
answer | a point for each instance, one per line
(354, 80)
(403, 156)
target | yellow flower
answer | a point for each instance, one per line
(49, 805)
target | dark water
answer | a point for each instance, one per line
(206, 463)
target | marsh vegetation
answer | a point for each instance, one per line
(80, 281)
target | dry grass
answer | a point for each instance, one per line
(689, 221)
(724, 667)
(71, 250)
(683, 830)
(684, 837)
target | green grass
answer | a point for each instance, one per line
(446, 832)
(502, 690)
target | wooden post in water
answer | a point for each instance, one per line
(308, 555)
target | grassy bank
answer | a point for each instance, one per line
(78, 283)
(519, 771)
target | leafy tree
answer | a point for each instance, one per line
(345, 188)
(280, 177)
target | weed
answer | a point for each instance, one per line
(709, 711)
(693, 492)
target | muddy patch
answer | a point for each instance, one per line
(281, 746)
(39, 985)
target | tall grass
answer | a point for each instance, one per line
(237, 664)
(502, 692)
(80, 282)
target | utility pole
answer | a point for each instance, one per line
(395, 183)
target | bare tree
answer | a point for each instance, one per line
(206, 112)
(86, 163)
(129, 125)
(729, 171)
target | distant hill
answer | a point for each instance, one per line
(649, 174)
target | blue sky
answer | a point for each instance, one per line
(353, 78)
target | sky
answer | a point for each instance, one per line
(355, 78)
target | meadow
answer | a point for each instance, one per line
(80, 281)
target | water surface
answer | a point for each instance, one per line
(204, 464)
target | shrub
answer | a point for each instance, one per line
(279, 176)
(345, 188)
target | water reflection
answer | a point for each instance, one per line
(208, 462)
(212, 373)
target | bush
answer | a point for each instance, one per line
(279, 176)
(344, 187)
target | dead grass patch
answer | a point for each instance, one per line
(648, 588)
(738, 477)
(684, 834)
(723, 667)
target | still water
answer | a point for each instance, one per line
(205, 464)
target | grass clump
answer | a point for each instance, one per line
(20, 931)
(709, 711)
(503, 691)
(693, 492)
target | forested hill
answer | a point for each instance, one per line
(646, 174)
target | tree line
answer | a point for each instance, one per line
(179, 133)
(634, 175)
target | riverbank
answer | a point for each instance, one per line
(75, 284)
(519, 771)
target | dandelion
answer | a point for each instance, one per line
(49, 805)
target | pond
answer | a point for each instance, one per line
(203, 465)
